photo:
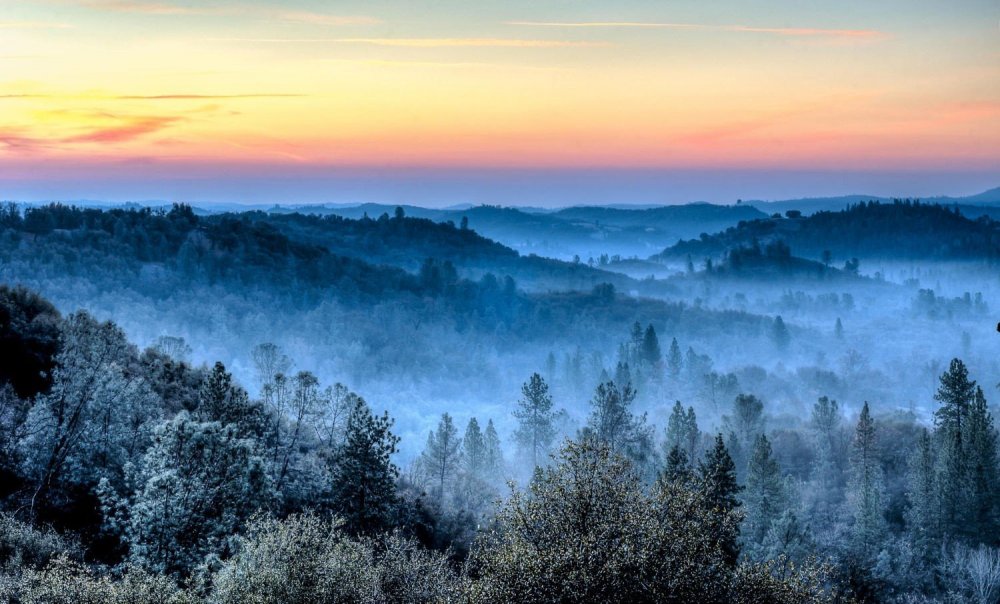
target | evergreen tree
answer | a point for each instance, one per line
(675, 360)
(493, 453)
(535, 417)
(222, 400)
(623, 375)
(825, 499)
(718, 481)
(981, 468)
(922, 516)
(746, 421)
(682, 431)
(677, 467)
(838, 329)
(440, 458)
(635, 345)
(867, 489)
(612, 422)
(955, 393)
(780, 334)
(764, 494)
(651, 354)
(364, 477)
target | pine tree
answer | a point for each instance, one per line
(651, 354)
(623, 375)
(981, 468)
(718, 478)
(222, 400)
(922, 516)
(677, 468)
(676, 429)
(440, 458)
(827, 474)
(536, 429)
(867, 486)
(682, 431)
(493, 450)
(613, 423)
(635, 345)
(764, 494)
(838, 329)
(955, 393)
(675, 360)
(693, 434)
(747, 420)
(364, 477)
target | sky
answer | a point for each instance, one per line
(547, 102)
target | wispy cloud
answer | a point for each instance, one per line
(779, 31)
(428, 42)
(33, 25)
(89, 126)
(324, 19)
(170, 8)
(151, 97)
(152, 8)
(127, 129)
(444, 64)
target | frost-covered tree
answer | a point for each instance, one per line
(867, 494)
(764, 496)
(981, 468)
(97, 415)
(194, 489)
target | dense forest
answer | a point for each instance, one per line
(133, 476)
(904, 229)
(274, 407)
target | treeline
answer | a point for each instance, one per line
(904, 229)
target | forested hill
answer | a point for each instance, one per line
(406, 242)
(161, 254)
(583, 231)
(898, 230)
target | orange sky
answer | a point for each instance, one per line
(116, 85)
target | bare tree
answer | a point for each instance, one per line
(269, 361)
(981, 570)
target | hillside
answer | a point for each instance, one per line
(584, 231)
(898, 230)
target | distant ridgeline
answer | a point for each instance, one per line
(904, 229)
(302, 260)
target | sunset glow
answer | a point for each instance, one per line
(123, 88)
